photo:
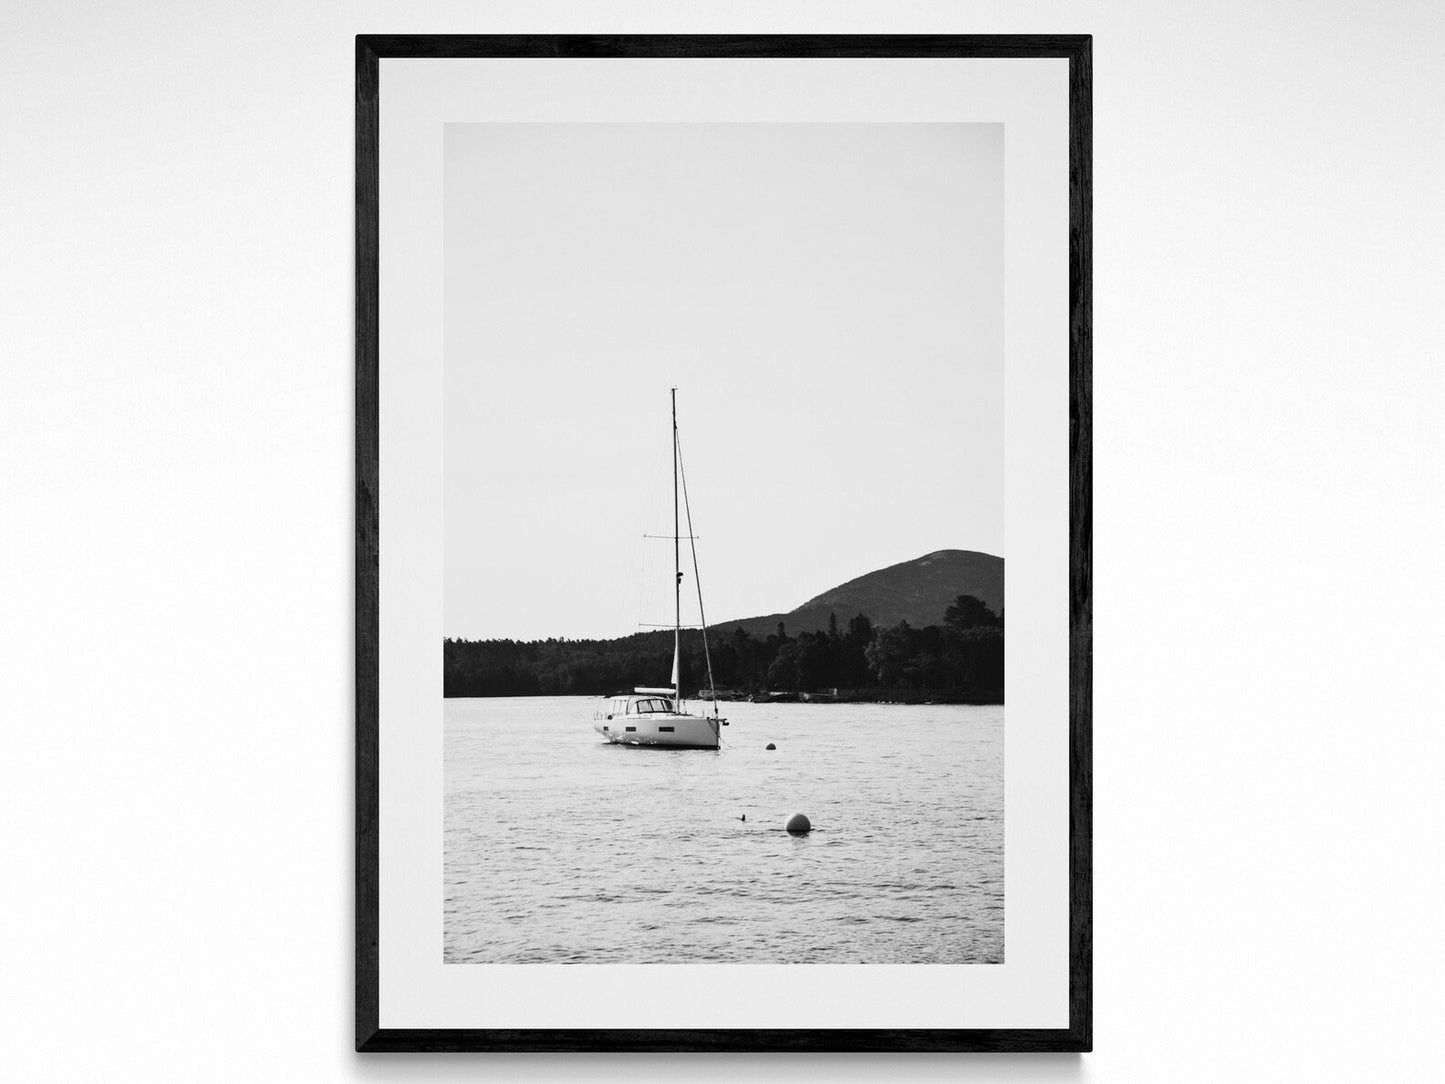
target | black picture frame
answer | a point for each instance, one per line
(370, 49)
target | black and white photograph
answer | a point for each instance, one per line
(723, 634)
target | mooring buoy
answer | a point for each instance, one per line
(799, 825)
(771, 745)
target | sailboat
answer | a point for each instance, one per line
(656, 716)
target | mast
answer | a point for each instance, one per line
(696, 578)
(676, 572)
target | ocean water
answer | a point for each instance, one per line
(562, 849)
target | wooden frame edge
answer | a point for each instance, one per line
(367, 554)
(369, 1035)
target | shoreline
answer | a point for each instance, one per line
(847, 696)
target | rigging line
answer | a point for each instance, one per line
(702, 616)
(676, 569)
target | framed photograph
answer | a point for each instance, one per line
(704, 385)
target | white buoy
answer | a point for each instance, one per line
(799, 825)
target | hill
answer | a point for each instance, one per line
(916, 591)
(961, 662)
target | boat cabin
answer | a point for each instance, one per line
(641, 703)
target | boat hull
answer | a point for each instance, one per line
(660, 730)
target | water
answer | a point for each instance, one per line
(560, 848)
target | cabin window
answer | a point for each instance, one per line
(652, 706)
(631, 728)
(666, 729)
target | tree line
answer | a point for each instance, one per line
(962, 657)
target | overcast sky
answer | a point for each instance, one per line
(828, 299)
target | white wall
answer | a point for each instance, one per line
(175, 535)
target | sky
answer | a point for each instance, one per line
(828, 300)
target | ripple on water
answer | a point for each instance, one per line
(555, 845)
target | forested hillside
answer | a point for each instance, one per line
(959, 657)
